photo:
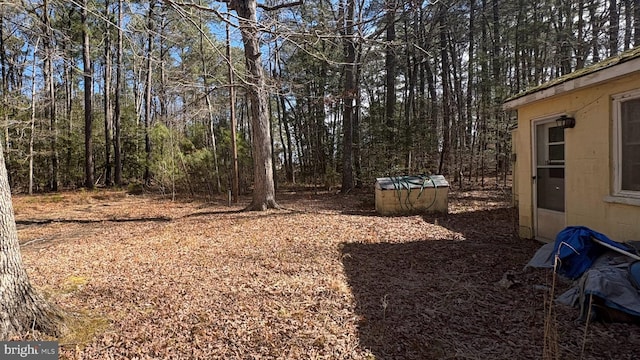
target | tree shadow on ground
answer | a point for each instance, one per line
(215, 212)
(440, 298)
(28, 222)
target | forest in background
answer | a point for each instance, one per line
(111, 93)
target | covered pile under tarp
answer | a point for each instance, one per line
(576, 249)
(608, 280)
(601, 273)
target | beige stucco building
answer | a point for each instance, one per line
(588, 174)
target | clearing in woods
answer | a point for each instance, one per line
(145, 277)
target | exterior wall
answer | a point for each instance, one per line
(522, 174)
(404, 202)
(514, 159)
(588, 160)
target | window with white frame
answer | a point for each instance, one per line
(627, 144)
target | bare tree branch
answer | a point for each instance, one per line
(219, 15)
(281, 6)
(200, 7)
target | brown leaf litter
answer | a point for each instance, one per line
(148, 278)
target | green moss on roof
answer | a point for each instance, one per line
(607, 63)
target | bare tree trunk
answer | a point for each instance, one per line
(147, 97)
(22, 309)
(205, 75)
(471, 67)
(214, 146)
(518, 46)
(349, 95)
(50, 107)
(614, 27)
(628, 15)
(409, 94)
(390, 64)
(458, 120)
(117, 148)
(596, 25)
(162, 91)
(5, 89)
(285, 125)
(582, 48)
(264, 187)
(68, 93)
(285, 150)
(484, 98)
(636, 23)
(235, 184)
(432, 126)
(108, 113)
(273, 153)
(445, 157)
(88, 112)
(32, 134)
(498, 81)
(357, 163)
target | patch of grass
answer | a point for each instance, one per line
(135, 189)
(81, 328)
(55, 198)
(49, 199)
(109, 195)
(74, 283)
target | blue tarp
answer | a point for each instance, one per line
(576, 251)
(607, 279)
(598, 271)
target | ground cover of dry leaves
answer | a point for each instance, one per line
(144, 277)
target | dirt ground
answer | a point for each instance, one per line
(144, 277)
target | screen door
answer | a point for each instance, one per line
(549, 180)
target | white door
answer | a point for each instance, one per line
(549, 180)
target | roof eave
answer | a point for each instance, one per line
(589, 79)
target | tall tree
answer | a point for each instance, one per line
(207, 97)
(22, 309)
(596, 21)
(471, 76)
(390, 66)
(88, 110)
(50, 106)
(264, 188)
(5, 83)
(147, 93)
(583, 46)
(349, 92)
(628, 15)
(108, 110)
(32, 134)
(69, 77)
(235, 186)
(117, 116)
(636, 23)
(614, 27)
(446, 93)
